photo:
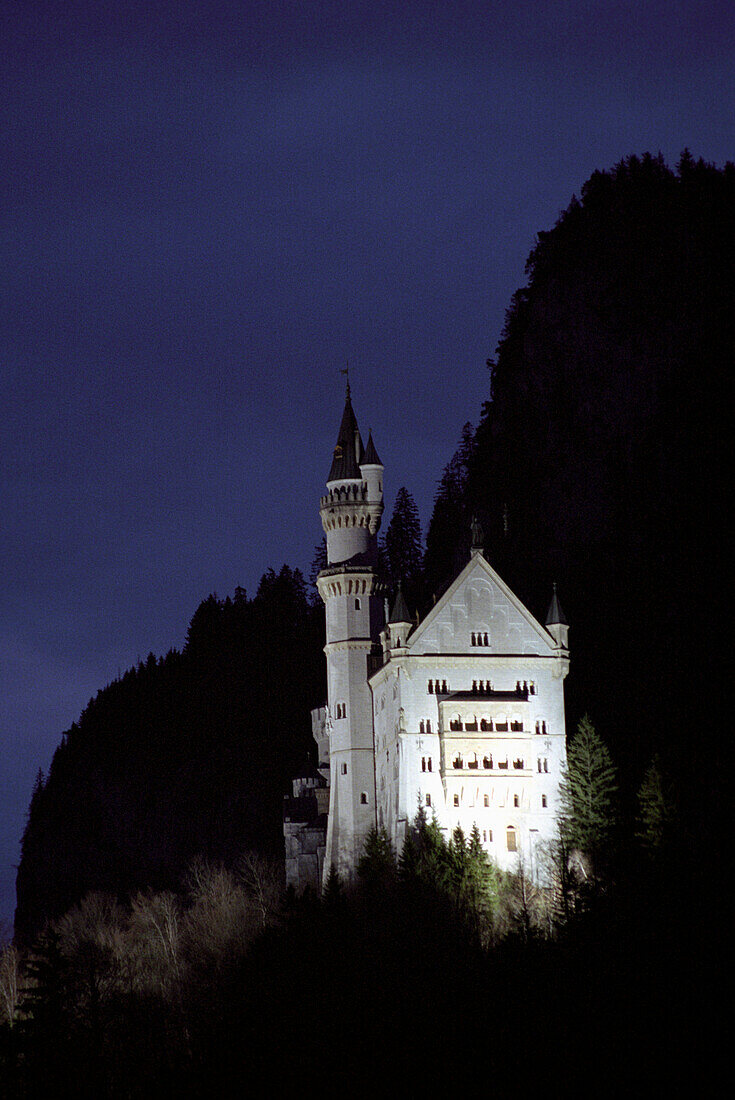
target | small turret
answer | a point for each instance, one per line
(353, 506)
(398, 627)
(371, 469)
(558, 628)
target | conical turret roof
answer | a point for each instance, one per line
(400, 614)
(349, 450)
(370, 458)
(555, 616)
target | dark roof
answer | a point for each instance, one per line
(346, 462)
(370, 458)
(399, 614)
(308, 771)
(555, 616)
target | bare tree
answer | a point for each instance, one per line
(263, 882)
(155, 941)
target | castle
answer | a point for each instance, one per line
(462, 713)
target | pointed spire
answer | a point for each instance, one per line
(400, 614)
(555, 616)
(349, 449)
(370, 458)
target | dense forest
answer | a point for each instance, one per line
(185, 756)
(597, 462)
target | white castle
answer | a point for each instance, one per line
(462, 713)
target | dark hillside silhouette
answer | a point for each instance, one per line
(598, 460)
(184, 756)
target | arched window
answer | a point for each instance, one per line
(363, 798)
(486, 800)
(457, 763)
(511, 839)
(428, 800)
(456, 800)
(484, 640)
(431, 692)
(357, 604)
(516, 801)
(544, 801)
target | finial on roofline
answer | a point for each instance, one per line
(346, 371)
(478, 537)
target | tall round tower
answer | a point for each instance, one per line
(351, 512)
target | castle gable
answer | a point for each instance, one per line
(479, 614)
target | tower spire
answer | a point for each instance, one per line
(346, 371)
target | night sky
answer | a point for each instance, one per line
(206, 210)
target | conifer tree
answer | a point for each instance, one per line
(402, 547)
(447, 540)
(588, 793)
(377, 865)
(333, 895)
(656, 809)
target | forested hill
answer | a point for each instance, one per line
(184, 756)
(598, 461)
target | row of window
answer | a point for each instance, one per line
(485, 725)
(340, 711)
(479, 639)
(487, 762)
(486, 801)
(438, 687)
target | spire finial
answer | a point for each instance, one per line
(346, 372)
(477, 536)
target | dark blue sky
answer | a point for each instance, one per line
(205, 210)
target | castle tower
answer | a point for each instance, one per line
(350, 513)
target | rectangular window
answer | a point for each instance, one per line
(344, 769)
(456, 800)
(363, 798)
(511, 840)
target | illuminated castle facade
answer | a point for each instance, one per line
(462, 713)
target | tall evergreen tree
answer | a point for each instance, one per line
(403, 549)
(588, 794)
(448, 537)
(656, 809)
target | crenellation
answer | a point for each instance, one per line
(463, 711)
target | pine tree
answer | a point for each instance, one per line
(333, 895)
(377, 865)
(656, 809)
(588, 794)
(448, 537)
(402, 546)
